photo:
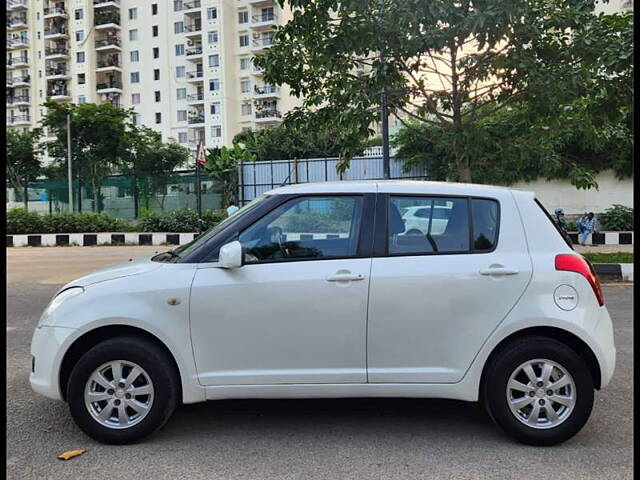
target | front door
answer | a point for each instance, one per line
(443, 284)
(296, 311)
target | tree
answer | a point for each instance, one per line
(222, 165)
(23, 159)
(99, 140)
(449, 64)
(152, 162)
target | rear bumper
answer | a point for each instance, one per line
(47, 347)
(605, 350)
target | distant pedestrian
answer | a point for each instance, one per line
(559, 213)
(588, 225)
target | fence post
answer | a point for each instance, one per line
(25, 193)
(241, 183)
(136, 208)
(295, 168)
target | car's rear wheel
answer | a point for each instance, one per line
(122, 390)
(539, 391)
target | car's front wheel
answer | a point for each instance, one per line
(122, 390)
(539, 391)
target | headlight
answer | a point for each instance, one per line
(59, 298)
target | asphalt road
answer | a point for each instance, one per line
(329, 439)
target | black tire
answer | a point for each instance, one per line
(153, 360)
(505, 362)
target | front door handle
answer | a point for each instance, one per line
(345, 277)
(498, 271)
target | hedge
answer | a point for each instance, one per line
(20, 221)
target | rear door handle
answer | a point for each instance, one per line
(498, 271)
(345, 277)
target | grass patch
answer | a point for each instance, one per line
(615, 257)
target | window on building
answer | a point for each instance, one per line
(178, 27)
(156, 74)
(81, 79)
(154, 9)
(135, 56)
(177, 5)
(135, 77)
(182, 136)
(133, 14)
(80, 57)
(133, 35)
(216, 108)
(135, 98)
(179, 50)
(212, 36)
(245, 86)
(181, 93)
(244, 40)
(180, 72)
(245, 63)
(182, 115)
(212, 13)
(154, 31)
(82, 99)
(156, 52)
(38, 37)
(79, 35)
(214, 61)
(214, 84)
(245, 108)
(158, 117)
(243, 17)
(157, 95)
(78, 14)
(216, 131)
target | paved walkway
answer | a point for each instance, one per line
(603, 248)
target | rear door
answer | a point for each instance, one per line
(435, 298)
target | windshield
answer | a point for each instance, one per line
(187, 248)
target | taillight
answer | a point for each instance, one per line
(577, 263)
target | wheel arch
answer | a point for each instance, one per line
(89, 339)
(569, 339)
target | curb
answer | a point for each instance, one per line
(605, 238)
(91, 239)
(614, 271)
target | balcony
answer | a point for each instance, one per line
(110, 63)
(114, 86)
(106, 3)
(194, 54)
(17, 62)
(263, 21)
(107, 20)
(191, 7)
(57, 73)
(18, 100)
(16, 5)
(261, 43)
(195, 98)
(193, 30)
(53, 53)
(18, 81)
(195, 76)
(196, 120)
(268, 116)
(59, 92)
(53, 12)
(19, 120)
(17, 41)
(53, 33)
(16, 22)
(108, 43)
(266, 91)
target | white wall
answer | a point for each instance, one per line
(561, 194)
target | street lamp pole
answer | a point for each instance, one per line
(69, 163)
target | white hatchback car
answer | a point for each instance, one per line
(316, 290)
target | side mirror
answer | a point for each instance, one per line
(230, 255)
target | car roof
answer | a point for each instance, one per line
(390, 186)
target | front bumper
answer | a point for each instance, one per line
(47, 349)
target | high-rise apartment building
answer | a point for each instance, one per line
(184, 66)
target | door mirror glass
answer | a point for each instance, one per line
(230, 255)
